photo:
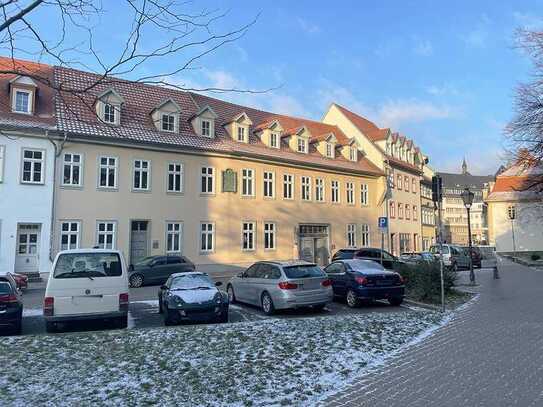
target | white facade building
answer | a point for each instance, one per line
(26, 199)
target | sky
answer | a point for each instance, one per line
(441, 73)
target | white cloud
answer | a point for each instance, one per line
(442, 90)
(478, 37)
(528, 21)
(402, 111)
(307, 27)
(423, 48)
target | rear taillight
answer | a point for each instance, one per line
(285, 285)
(123, 302)
(48, 306)
(326, 283)
(361, 280)
(8, 298)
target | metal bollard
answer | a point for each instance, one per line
(496, 275)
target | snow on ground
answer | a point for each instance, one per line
(271, 362)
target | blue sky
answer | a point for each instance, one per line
(442, 73)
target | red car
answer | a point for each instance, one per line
(21, 280)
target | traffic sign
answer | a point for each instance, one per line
(383, 222)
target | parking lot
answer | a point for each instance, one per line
(143, 311)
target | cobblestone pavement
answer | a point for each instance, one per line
(490, 354)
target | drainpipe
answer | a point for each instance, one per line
(58, 150)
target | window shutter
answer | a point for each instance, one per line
(2, 150)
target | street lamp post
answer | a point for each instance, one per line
(512, 214)
(467, 197)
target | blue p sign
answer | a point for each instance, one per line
(383, 222)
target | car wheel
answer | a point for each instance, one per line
(454, 267)
(121, 322)
(395, 301)
(352, 299)
(168, 318)
(223, 319)
(160, 310)
(267, 304)
(18, 329)
(231, 295)
(136, 280)
(51, 327)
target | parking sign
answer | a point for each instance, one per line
(383, 222)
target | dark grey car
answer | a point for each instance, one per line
(155, 270)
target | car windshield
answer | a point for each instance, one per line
(145, 261)
(192, 282)
(303, 271)
(5, 288)
(77, 265)
(427, 256)
(435, 249)
(363, 265)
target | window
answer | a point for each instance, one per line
(207, 180)
(407, 212)
(248, 236)
(22, 101)
(109, 113)
(288, 186)
(399, 182)
(306, 188)
(105, 235)
(364, 194)
(175, 177)
(335, 191)
(319, 190)
(269, 184)
(247, 182)
(207, 237)
(400, 211)
(302, 145)
(415, 215)
(392, 209)
(107, 172)
(274, 140)
(206, 128)
(71, 172)
(168, 122)
(32, 168)
(173, 237)
(329, 150)
(2, 152)
(365, 235)
(69, 235)
(349, 189)
(414, 185)
(269, 236)
(351, 235)
(406, 183)
(141, 175)
(241, 133)
(353, 156)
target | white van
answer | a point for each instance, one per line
(87, 284)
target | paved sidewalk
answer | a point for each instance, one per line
(490, 354)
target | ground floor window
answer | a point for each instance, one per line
(173, 237)
(269, 235)
(351, 235)
(405, 242)
(207, 237)
(365, 235)
(105, 235)
(69, 235)
(248, 235)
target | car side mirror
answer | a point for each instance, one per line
(218, 283)
(241, 275)
(131, 267)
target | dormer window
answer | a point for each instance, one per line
(302, 145)
(206, 128)
(274, 140)
(241, 134)
(353, 154)
(108, 107)
(109, 113)
(329, 150)
(168, 122)
(22, 101)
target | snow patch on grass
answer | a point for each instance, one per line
(271, 362)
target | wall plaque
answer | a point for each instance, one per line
(229, 181)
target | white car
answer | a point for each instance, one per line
(87, 284)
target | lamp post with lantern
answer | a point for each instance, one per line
(512, 214)
(467, 197)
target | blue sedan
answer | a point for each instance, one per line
(362, 280)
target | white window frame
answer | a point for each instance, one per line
(349, 193)
(274, 135)
(268, 183)
(204, 129)
(364, 194)
(406, 183)
(247, 182)
(2, 159)
(30, 95)
(319, 190)
(335, 191)
(141, 170)
(71, 164)
(174, 233)
(108, 167)
(353, 154)
(365, 235)
(206, 233)
(116, 113)
(302, 145)
(270, 236)
(351, 235)
(162, 122)
(305, 188)
(205, 177)
(246, 233)
(414, 185)
(106, 233)
(174, 172)
(330, 150)
(33, 162)
(415, 213)
(241, 134)
(288, 186)
(69, 233)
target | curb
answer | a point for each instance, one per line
(422, 305)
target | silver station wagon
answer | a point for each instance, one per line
(275, 285)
